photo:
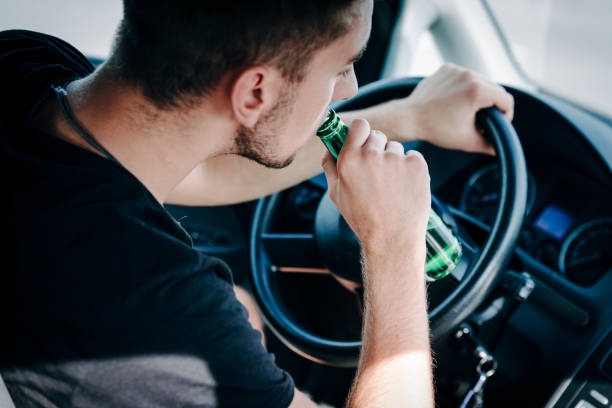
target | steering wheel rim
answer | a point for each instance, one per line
(484, 271)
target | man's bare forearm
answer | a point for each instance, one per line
(395, 363)
(233, 179)
(451, 93)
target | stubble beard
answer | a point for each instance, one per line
(257, 143)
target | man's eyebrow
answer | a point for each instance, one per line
(358, 56)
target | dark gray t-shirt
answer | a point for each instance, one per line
(103, 300)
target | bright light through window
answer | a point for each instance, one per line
(564, 46)
(89, 25)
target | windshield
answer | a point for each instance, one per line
(563, 46)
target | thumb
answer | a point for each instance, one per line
(331, 173)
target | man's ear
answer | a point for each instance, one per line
(252, 92)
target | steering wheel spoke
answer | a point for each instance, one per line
(469, 252)
(295, 253)
(298, 269)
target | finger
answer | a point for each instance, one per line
(358, 134)
(331, 172)
(376, 141)
(495, 95)
(394, 148)
(509, 112)
(329, 167)
(504, 102)
(416, 154)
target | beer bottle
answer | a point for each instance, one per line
(443, 248)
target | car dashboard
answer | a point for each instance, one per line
(565, 246)
(568, 222)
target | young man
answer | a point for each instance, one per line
(105, 303)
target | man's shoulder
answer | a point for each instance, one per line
(29, 63)
(108, 228)
(23, 47)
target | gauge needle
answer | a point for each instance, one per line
(578, 261)
(489, 197)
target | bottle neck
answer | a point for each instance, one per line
(331, 126)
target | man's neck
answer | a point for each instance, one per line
(158, 147)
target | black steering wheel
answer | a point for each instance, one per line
(334, 246)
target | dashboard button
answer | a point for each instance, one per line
(599, 397)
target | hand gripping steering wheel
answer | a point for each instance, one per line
(333, 245)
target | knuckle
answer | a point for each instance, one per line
(359, 126)
(344, 177)
(414, 155)
(467, 75)
(472, 89)
(449, 66)
(345, 166)
(394, 157)
(417, 161)
(395, 145)
(378, 135)
(370, 153)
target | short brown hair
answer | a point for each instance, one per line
(177, 51)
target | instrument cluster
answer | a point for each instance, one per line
(568, 229)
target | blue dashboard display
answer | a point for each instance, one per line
(554, 221)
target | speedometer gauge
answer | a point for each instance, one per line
(481, 194)
(586, 254)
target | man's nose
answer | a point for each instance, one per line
(346, 87)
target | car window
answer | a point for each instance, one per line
(89, 25)
(563, 46)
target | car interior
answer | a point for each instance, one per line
(531, 304)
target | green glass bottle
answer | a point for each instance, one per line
(443, 248)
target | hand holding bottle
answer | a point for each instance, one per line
(443, 250)
(382, 193)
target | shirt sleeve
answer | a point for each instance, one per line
(202, 350)
(240, 371)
